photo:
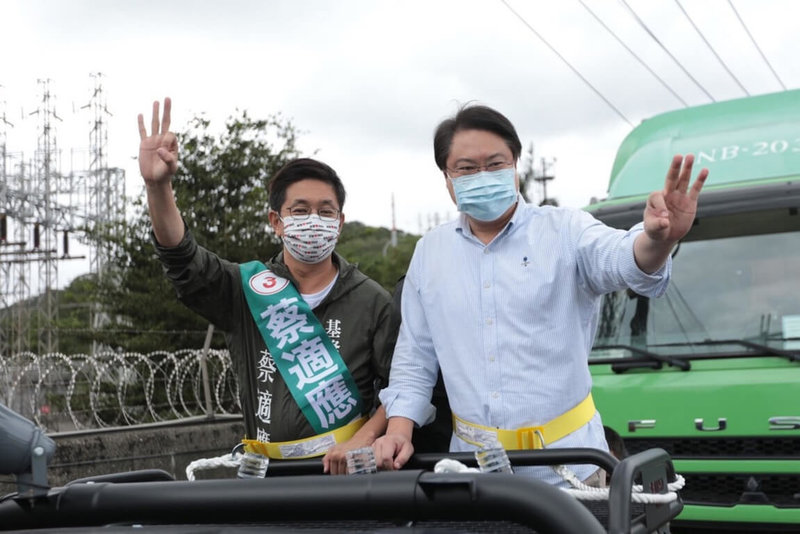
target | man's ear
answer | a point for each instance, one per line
(341, 221)
(448, 184)
(275, 222)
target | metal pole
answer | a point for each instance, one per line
(204, 370)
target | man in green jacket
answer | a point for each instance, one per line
(310, 336)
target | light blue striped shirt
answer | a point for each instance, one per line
(511, 323)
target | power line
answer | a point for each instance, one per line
(664, 48)
(640, 60)
(703, 37)
(730, 2)
(567, 63)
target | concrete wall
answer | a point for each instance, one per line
(168, 446)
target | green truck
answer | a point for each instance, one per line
(710, 372)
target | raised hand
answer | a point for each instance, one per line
(158, 152)
(670, 213)
(158, 163)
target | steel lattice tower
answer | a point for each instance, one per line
(37, 201)
(106, 185)
(45, 230)
(5, 266)
(14, 266)
(106, 194)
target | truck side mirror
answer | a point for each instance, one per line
(24, 451)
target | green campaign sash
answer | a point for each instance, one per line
(312, 368)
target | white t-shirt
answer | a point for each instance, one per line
(314, 299)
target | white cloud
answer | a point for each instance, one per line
(368, 81)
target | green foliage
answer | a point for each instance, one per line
(221, 191)
(74, 315)
(143, 311)
(221, 183)
(369, 248)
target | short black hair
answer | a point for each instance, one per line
(303, 169)
(616, 445)
(473, 117)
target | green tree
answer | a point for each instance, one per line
(74, 312)
(370, 249)
(221, 183)
(220, 188)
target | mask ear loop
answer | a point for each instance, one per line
(270, 228)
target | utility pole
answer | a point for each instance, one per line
(542, 178)
(528, 174)
(394, 225)
(393, 239)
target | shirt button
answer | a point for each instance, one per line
(487, 284)
(486, 251)
(495, 395)
(489, 322)
(491, 358)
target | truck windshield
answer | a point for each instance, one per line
(733, 288)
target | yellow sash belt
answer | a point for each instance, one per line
(531, 437)
(306, 447)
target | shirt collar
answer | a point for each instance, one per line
(462, 226)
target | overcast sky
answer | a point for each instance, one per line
(366, 81)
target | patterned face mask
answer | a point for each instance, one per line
(311, 239)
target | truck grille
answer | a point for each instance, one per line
(721, 489)
(715, 489)
(720, 448)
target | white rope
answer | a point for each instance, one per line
(448, 465)
(226, 460)
(583, 492)
(579, 490)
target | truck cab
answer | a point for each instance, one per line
(710, 372)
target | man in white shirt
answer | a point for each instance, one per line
(504, 300)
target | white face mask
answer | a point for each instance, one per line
(310, 240)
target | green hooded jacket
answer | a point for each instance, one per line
(358, 310)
